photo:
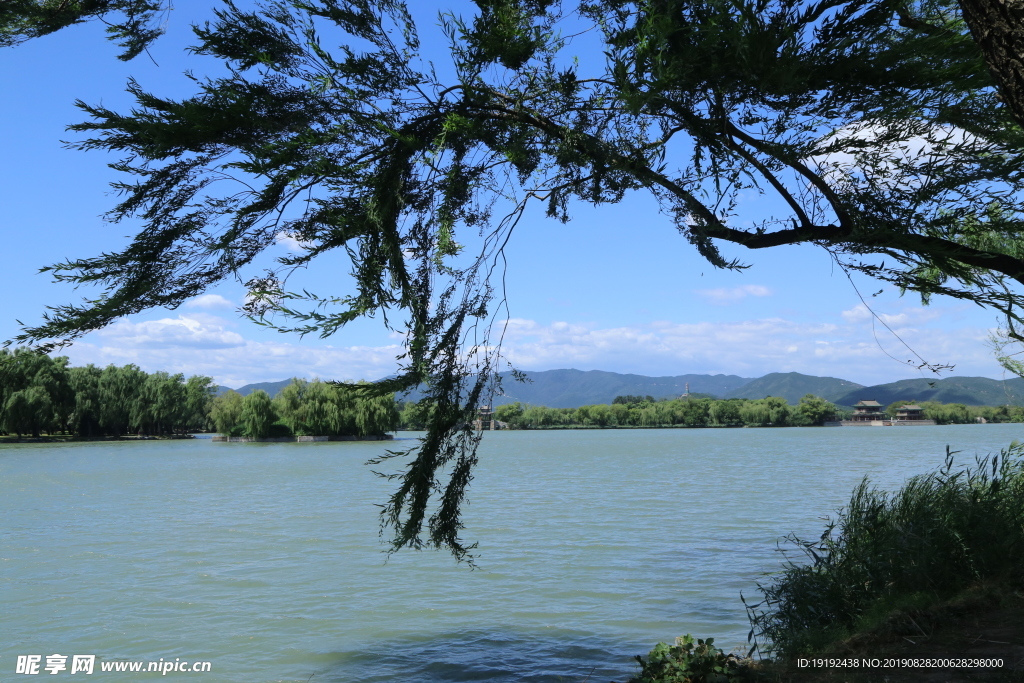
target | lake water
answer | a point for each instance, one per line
(264, 559)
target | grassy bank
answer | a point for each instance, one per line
(893, 574)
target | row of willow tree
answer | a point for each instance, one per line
(686, 412)
(305, 408)
(42, 394)
(637, 411)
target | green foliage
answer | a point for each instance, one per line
(949, 413)
(847, 113)
(629, 399)
(39, 393)
(257, 415)
(510, 413)
(958, 413)
(1006, 345)
(813, 410)
(139, 24)
(725, 413)
(198, 399)
(937, 535)
(85, 383)
(952, 413)
(290, 406)
(160, 403)
(279, 429)
(689, 662)
(890, 410)
(325, 409)
(118, 388)
(767, 412)
(772, 411)
(28, 411)
(414, 415)
(226, 412)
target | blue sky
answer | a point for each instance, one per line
(615, 289)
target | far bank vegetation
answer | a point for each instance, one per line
(698, 410)
(305, 408)
(40, 394)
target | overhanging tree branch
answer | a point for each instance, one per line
(359, 150)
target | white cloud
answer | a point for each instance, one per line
(210, 302)
(724, 296)
(251, 362)
(916, 150)
(858, 313)
(909, 316)
(197, 331)
(290, 243)
(750, 348)
(202, 344)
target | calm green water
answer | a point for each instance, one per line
(264, 558)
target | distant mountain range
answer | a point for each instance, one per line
(574, 388)
(270, 387)
(792, 385)
(974, 391)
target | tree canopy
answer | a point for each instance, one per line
(876, 128)
(39, 393)
(132, 24)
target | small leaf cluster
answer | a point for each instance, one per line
(138, 26)
(689, 662)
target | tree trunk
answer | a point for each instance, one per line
(997, 26)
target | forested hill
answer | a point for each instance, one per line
(575, 388)
(792, 385)
(972, 391)
(270, 387)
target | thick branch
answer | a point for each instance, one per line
(924, 245)
(997, 26)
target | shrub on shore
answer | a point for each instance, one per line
(938, 535)
(689, 662)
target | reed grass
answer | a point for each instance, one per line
(939, 534)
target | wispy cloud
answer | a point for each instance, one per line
(197, 331)
(917, 150)
(201, 343)
(253, 362)
(750, 348)
(909, 316)
(210, 302)
(290, 243)
(729, 295)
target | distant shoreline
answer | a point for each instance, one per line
(300, 439)
(86, 439)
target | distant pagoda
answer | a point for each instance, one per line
(867, 411)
